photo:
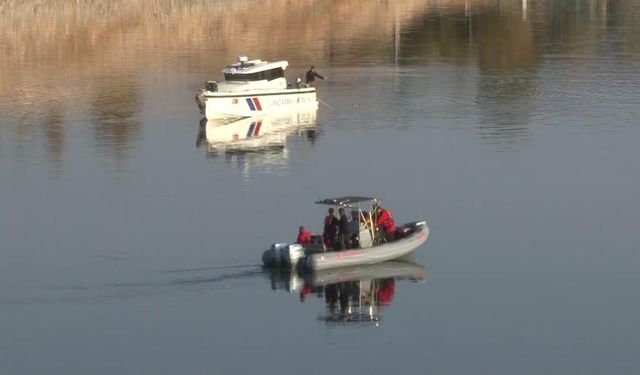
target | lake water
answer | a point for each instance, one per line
(130, 236)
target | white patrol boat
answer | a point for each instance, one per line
(254, 87)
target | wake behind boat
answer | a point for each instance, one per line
(361, 242)
(254, 87)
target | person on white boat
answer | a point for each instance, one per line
(311, 76)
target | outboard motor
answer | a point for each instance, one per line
(291, 257)
(283, 255)
(211, 86)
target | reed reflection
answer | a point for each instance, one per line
(61, 47)
(352, 295)
(255, 141)
(55, 141)
(116, 117)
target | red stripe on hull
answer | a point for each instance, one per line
(258, 124)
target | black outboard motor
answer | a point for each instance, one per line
(211, 86)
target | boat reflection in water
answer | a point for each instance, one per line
(259, 140)
(352, 295)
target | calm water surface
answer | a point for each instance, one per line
(131, 233)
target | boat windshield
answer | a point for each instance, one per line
(257, 76)
(358, 206)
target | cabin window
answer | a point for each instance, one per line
(273, 74)
(258, 76)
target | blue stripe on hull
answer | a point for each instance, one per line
(250, 131)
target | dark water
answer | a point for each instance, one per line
(130, 244)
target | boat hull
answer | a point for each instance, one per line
(219, 105)
(370, 255)
(289, 255)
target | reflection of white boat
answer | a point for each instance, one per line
(370, 248)
(394, 268)
(353, 295)
(292, 280)
(258, 133)
(284, 279)
(253, 87)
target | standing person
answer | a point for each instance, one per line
(311, 75)
(343, 226)
(385, 223)
(330, 229)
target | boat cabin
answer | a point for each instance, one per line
(254, 70)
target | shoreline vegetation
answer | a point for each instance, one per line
(31, 29)
(66, 44)
(83, 39)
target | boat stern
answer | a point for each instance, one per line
(209, 88)
(283, 255)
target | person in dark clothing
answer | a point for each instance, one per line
(354, 230)
(343, 226)
(330, 229)
(311, 76)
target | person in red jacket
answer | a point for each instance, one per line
(304, 236)
(385, 223)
